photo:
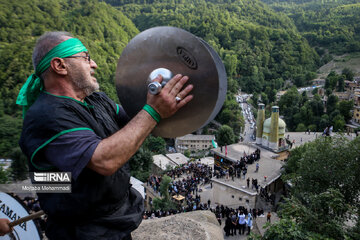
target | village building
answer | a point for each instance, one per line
(178, 158)
(161, 163)
(194, 143)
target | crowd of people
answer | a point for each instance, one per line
(238, 219)
(239, 168)
(186, 182)
(201, 171)
(32, 203)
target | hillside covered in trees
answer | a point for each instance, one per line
(259, 47)
(328, 25)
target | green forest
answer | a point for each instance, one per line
(328, 25)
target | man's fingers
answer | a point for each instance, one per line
(178, 86)
(170, 84)
(184, 101)
(184, 97)
(158, 79)
(185, 92)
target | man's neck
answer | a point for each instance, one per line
(65, 90)
(75, 95)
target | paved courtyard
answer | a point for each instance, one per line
(302, 137)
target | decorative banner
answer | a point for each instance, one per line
(12, 209)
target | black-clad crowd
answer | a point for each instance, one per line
(195, 174)
(240, 167)
(237, 219)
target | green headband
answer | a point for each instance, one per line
(33, 85)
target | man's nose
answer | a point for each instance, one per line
(93, 64)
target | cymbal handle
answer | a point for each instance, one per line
(155, 87)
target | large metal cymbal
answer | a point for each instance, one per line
(180, 52)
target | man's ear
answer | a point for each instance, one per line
(58, 66)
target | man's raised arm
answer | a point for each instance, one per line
(113, 152)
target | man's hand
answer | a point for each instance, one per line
(165, 102)
(4, 226)
(113, 152)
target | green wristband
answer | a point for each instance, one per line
(153, 113)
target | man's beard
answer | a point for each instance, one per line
(86, 86)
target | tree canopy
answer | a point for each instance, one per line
(333, 25)
(301, 114)
(225, 136)
(325, 191)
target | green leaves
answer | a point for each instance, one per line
(10, 129)
(301, 114)
(164, 203)
(225, 136)
(285, 229)
(330, 24)
(141, 162)
(156, 145)
(4, 175)
(105, 37)
(325, 192)
(19, 166)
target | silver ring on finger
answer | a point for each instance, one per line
(178, 99)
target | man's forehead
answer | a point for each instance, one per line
(67, 37)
